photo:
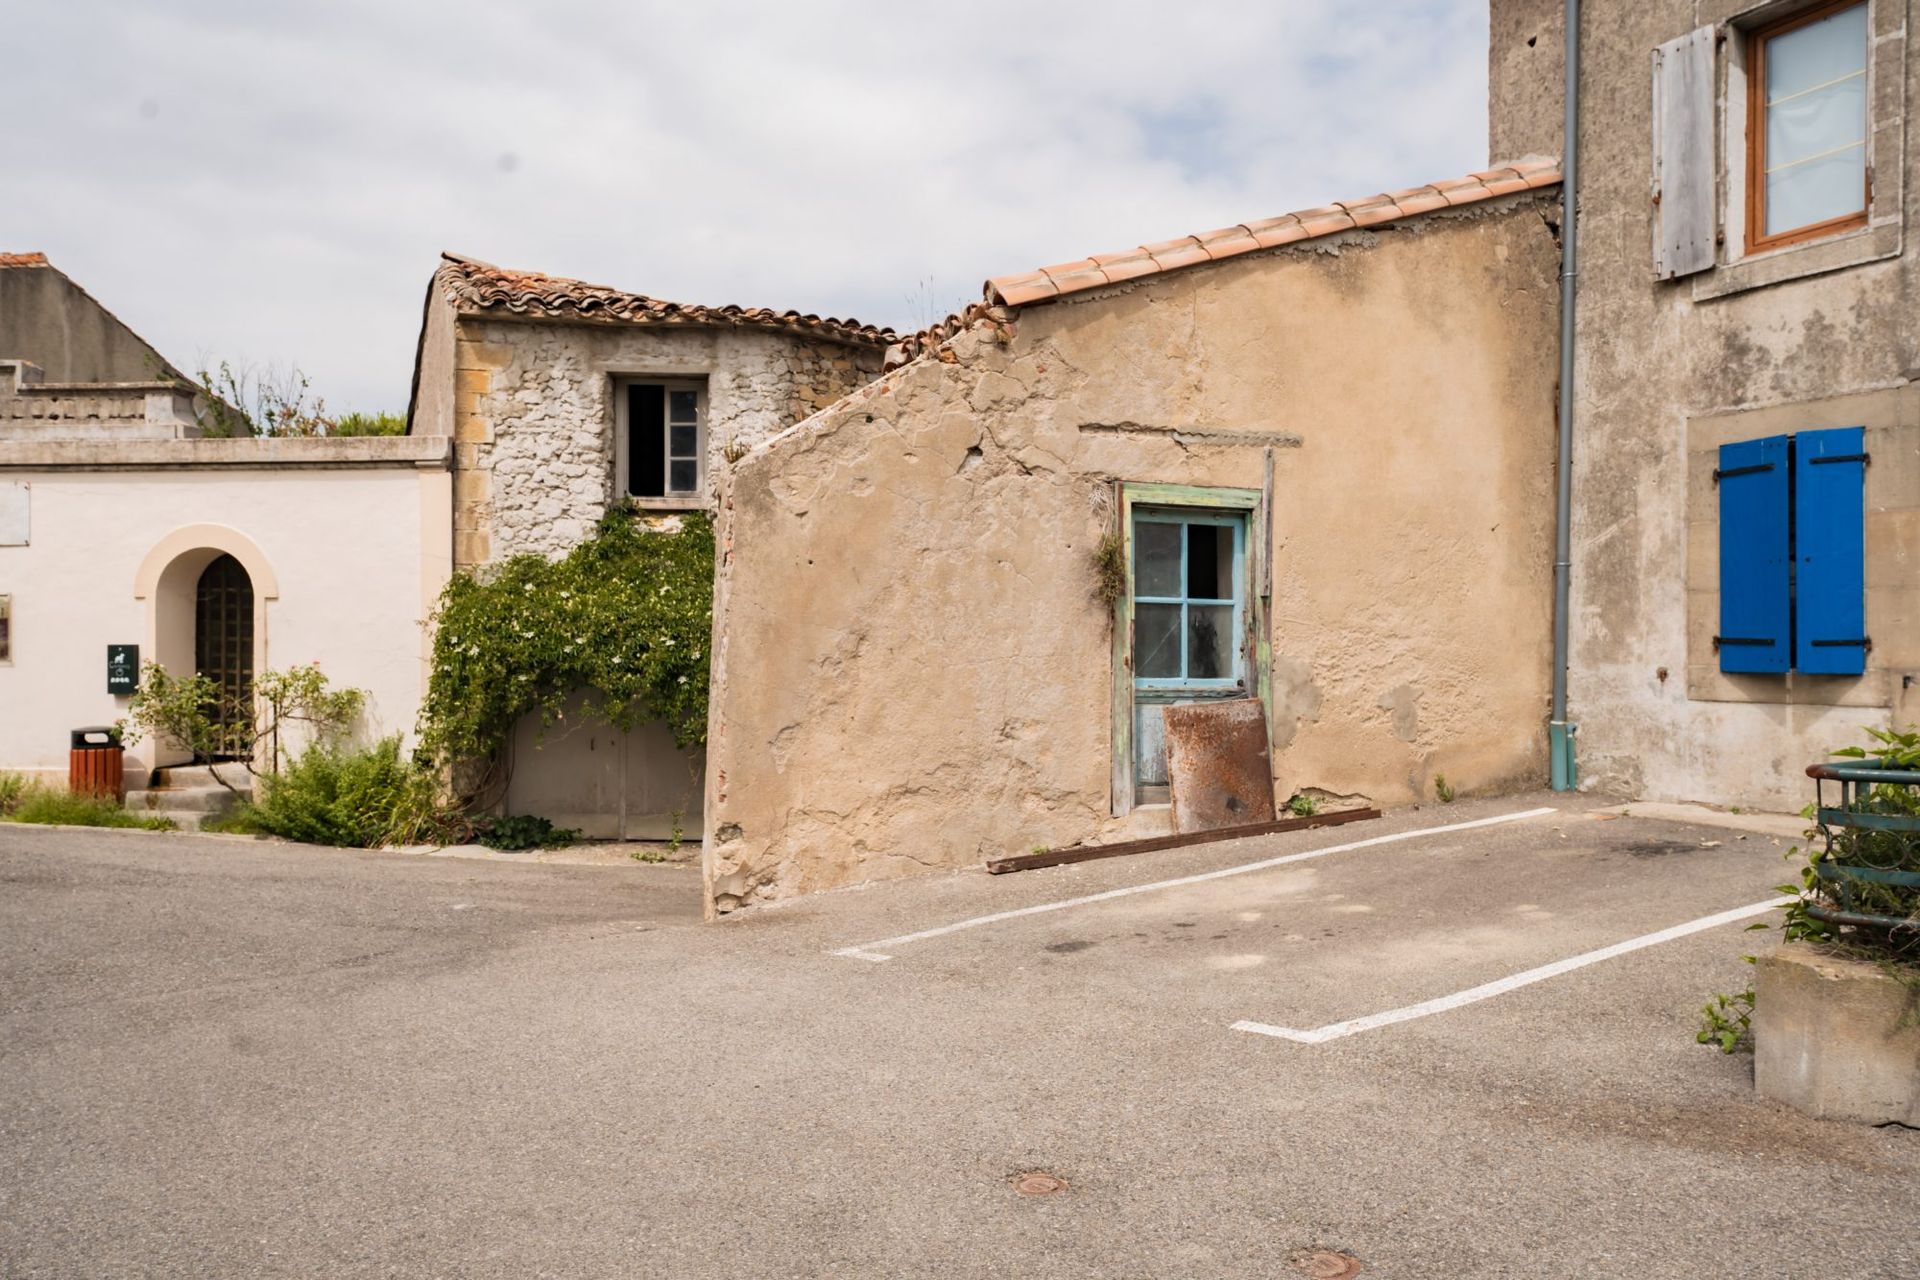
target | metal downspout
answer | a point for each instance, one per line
(1559, 733)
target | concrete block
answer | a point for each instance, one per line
(1836, 1038)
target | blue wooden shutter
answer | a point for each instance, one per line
(1755, 583)
(1829, 516)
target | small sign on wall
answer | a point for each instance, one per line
(15, 513)
(123, 669)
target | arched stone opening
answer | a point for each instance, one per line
(206, 589)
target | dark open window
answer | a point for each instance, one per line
(664, 441)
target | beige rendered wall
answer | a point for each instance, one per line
(352, 552)
(913, 670)
(1819, 335)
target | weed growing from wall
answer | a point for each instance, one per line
(626, 616)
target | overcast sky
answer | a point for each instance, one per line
(272, 183)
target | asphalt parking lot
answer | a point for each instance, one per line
(225, 1058)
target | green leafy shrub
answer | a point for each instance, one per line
(368, 424)
(1442, 789)
(1302, 805)
(1872, 851)
(194, 713)
(1726, 1020)
(626, 615)
(13, 787)
(337, 797)
(50, 806)
(522, 832)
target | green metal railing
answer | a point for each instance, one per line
(1871, 838)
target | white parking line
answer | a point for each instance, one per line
(1353, 1026)
(867, 950)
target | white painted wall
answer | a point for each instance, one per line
(359, 554)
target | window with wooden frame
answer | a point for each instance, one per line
(661, 434)
(6, 628)
(1807, 157)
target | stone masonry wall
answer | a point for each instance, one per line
(534, 415)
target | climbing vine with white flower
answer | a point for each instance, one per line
(625, 617)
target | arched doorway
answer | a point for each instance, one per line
(223, 649)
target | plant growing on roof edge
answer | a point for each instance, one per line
(625, 616)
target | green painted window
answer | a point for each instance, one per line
(1189, 600)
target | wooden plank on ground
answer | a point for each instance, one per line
(1120, 848)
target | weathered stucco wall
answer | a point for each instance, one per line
(1667, 370)
(533, 418)
(913, 669)
(351, 533)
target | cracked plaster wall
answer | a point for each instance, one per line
(1667, 370)
(533, 416)
(913, 671)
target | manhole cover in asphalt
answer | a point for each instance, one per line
(1039, 1184)
(1326, 1264)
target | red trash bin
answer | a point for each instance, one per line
(94, 763)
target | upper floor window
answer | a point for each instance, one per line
(1807, 126)
(663, 440)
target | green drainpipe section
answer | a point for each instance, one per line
(1566, 775)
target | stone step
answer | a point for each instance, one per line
(202, 775)
(177, 800)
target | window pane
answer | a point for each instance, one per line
(1156, 559)
(1209, 562)
(685, 441)
(683, 406)
(1831, 187)
(1817, 123)
(1816, 109)
(1816, 54)
(1209, 641)
(1156, 641)
(684, 477)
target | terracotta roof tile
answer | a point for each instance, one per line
(23, 259)
(1227, 241)
(1265, 233)
(1285, 229)
(1170, 255)
(482, 288)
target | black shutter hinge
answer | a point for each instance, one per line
(1720, 640)
(1864, 459)
(1719, 475)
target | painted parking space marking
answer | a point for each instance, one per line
(1486, 991)
(874, 950)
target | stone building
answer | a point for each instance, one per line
(121, 526)
(562, 398)
(1745, 594)
(1324, 447)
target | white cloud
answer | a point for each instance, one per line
(274, 183)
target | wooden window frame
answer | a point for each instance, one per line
(1257, 676)
(6, 630)
(1756, 211)
(697, 499)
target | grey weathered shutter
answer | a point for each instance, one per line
(1683, 213)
